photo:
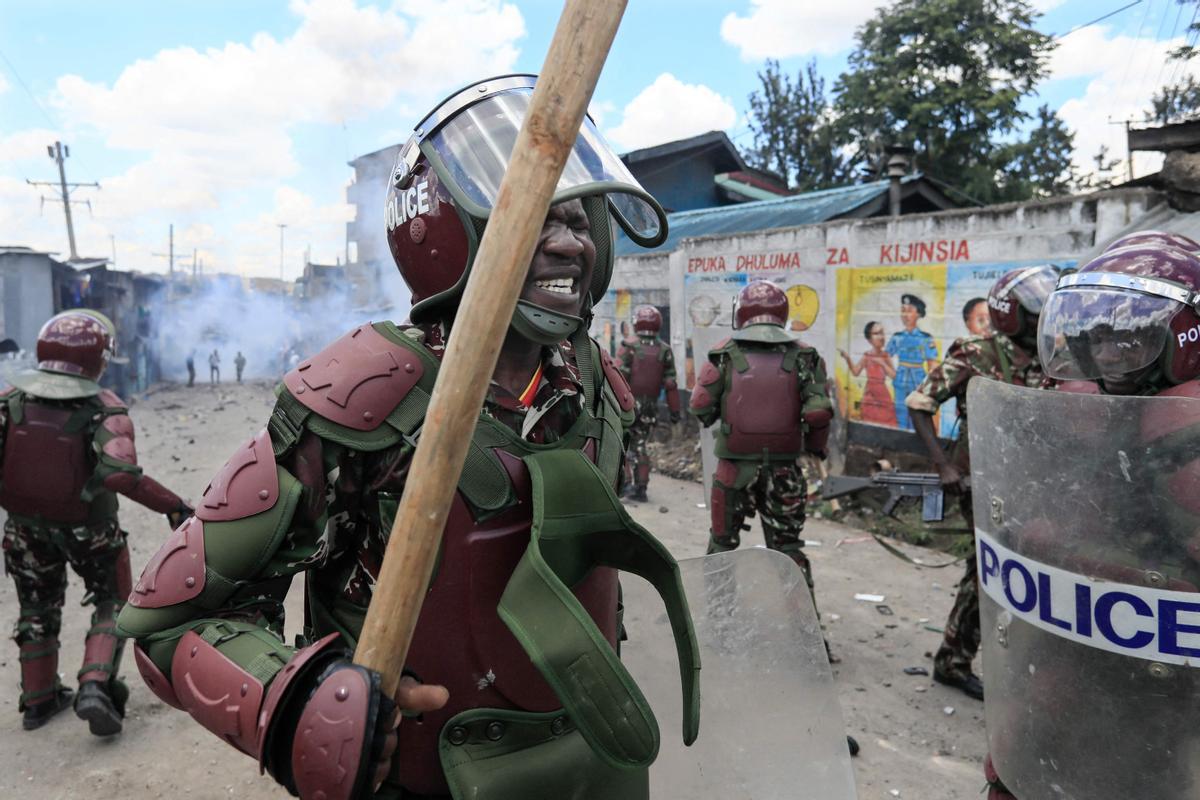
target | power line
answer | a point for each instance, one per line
(1157, 38)
(1097, 19)
(1129, 58)
(1174, 28)
(28, 91)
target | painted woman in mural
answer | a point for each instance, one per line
(877, 405)
(915, 350)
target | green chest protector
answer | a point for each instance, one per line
(600, 748)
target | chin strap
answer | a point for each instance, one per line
(541, 325)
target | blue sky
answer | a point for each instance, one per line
(227, 118)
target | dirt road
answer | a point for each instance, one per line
(919, 739)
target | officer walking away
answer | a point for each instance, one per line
(239, 364)
(66, 446)
(1009, 354)
(191, 368)
(214, 367)
(768, 393)
(648, 365)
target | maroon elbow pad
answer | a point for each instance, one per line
(816, 440)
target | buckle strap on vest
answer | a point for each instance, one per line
(578, 524)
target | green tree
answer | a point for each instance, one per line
(947, 78)
(1176, 102)
(793, 135)
(1039, 163)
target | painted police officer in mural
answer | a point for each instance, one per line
(1086, 502)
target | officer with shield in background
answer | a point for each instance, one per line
(1088, 503)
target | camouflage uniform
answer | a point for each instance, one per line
(637, 457)
(770, 484)
(999, 358)
(37, 549)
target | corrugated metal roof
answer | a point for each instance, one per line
(783, 212)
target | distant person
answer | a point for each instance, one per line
(66, 450)
(191, 368)
(976, 317)
(649, 367)
(239, 364)
(214, 367)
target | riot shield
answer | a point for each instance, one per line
(770, 723)
(704, 340)
(1087, 510)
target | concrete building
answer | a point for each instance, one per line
(34, 285)
(845, 275)
(369, 265)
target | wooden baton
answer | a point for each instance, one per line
(577, 52)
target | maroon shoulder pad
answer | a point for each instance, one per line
(218, 693)
(154, 678)
(246, 485)
(617, 381)
(119, 425)
(111, 399)
(176, 573)
(357, 380)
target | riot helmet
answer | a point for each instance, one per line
(447, 177)
(1128, 317)
(647, 321)
(73, 350)
(760, 303)
(1016, 299)
(1155, 238)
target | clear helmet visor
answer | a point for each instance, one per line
(1088, 333)
(477, 143)
(1032, 290)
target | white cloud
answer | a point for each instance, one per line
(669, 109)
(213, 127)
(307, 223)
(1120, 85)
(1047, 5)
(785, 28)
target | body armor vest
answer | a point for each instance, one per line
(760, 410)
(46, 463)
(646, 374)
(484, 666)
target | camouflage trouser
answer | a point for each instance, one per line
(36, 558)
(637, 457)
(776, 491)
(961, 636)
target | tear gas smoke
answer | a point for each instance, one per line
(272, 331)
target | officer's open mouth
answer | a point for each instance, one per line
(557, 285)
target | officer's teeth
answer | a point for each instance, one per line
(559, 285)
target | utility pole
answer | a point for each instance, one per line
(193, 263)
(170, 256)
(281, 227)
(60, 152)
(113, 241)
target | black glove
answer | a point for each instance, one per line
(178, 516)
(675, 417)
